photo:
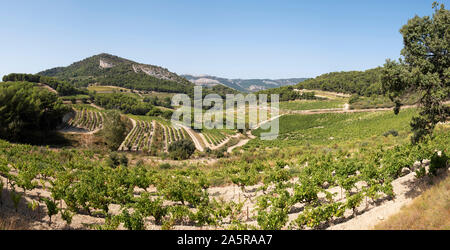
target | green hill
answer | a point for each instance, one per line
(106, 69)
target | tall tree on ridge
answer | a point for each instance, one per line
(425, 68)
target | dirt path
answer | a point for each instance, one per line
(324, 94)
(207, 144)
(249, 134)
(96, 106)
(122, 146)
(78, 131)
(193, 137)
(242, 142)
(266, 121)
(48, 88)
(239, 144)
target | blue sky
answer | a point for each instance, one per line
(228, 38)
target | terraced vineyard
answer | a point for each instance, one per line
(85, 119)
(139, 138)
(152, 136)
(215, 137)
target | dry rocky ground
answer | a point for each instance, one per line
(406, 188)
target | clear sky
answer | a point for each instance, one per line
(228, 38)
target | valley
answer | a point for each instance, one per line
(109, 143)
(247, 171)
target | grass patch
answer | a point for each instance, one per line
(429, 211)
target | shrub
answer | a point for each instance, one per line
(167, 114)
(116, 159)
(219, 153)
(353, 99)
(165, 166)
(114, 129)
(391, 132)
(437, 162)
(182, 149)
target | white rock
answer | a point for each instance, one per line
(416, 165)
(105, 65)
(426, 162)
(405, 171)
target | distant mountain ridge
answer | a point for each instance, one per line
(106, 69)
(244, 85)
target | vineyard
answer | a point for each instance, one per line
(152, 137)
(85, 119)
(324, 169)
(214, 137)
(328, 188)
(335, 128)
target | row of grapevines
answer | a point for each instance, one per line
(79, 185)
(89, 120)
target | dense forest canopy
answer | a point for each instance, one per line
(63, 88)
(287, 93)
(364, 83)
(26, 109)
(20, 77)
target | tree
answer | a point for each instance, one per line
(114, 160)
(182, 149)
(26, 109)
(114, 129)
(425, 68)
(21, 77)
